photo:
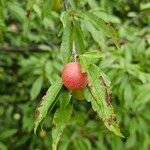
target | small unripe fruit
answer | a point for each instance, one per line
(42, 134)
(16, 116)
(78, 94)
(73, 77)
(57, 5)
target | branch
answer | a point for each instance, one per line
(65, 5)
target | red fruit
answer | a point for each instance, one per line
(73, 77)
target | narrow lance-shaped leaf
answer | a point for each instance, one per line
(2, 25)
(142, 96)
(30, 4)
(89, 57)
(36, 87)
(79, 38)
(96, 34)
(107, 29)
(47, 7)
(97, 93)
(67, 40)
(92, 54)
(61, 119)
(46, 103)
(17, 11)
(64, 98)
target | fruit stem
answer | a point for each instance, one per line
(74, 53)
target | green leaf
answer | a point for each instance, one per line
(131, 141)
(92, 54)
(79, 38)
(7, 133)
(93, 4)
(107, 29)
(37, 10)
(61, 119)
(145, 6)
(106, 17)
(47, 7)
(30, 4)
(2, 25)
(98, 94)
(89, 57)
(17, 11)
(65, 97)
(82, 144)
(128, 95)
(96, 34)
(36, 87)
(65, 16)
(3, 146)
(46, 103)
(142, 95)
(66, 45)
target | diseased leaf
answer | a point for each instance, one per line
(97, 93)
(36, 87)
(61, 119)
(46, 103)
(66, 45)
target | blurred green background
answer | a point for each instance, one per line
(30, 62)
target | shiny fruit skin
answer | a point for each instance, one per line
(73, 77)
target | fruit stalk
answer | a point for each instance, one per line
(74, 53)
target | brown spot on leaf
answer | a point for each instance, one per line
(111, 120)
(40, 103)
(43, 98)
(28, 13)
(53, 126)
(36, 114)
(107, 95)
(102, 81)
(90, 85)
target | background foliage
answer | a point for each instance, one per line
(30, 61)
